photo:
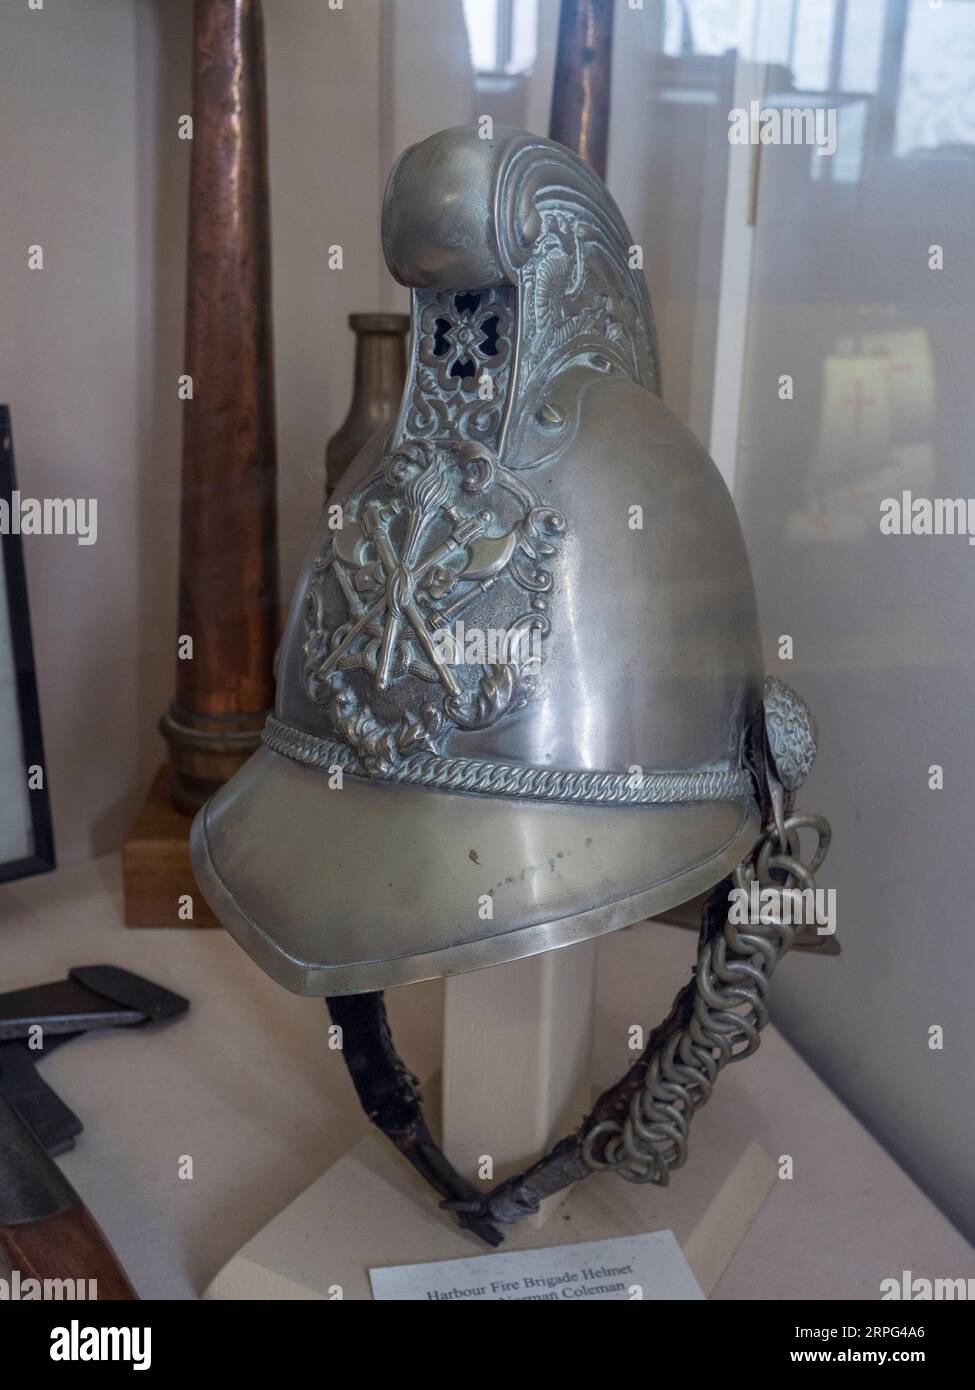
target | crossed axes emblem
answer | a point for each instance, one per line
(412, 578)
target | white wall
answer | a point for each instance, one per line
(89, 346)
(323, 132)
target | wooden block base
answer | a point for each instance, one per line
(160, 889)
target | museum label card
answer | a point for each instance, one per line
(630, 1267)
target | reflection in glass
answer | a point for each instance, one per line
(936, 102)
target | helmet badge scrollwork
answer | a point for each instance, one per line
(423, 541)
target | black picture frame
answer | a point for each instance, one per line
(42, 859)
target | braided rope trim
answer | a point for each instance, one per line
(729, 1012)
(499, 779)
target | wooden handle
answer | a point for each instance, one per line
(69, 1245)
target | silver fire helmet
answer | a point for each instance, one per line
(521, 697)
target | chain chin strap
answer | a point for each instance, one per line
(639, 1127)
(729, 1011)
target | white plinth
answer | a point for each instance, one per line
(370, 1209)
(517, 1070)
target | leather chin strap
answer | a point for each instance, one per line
(390, 1096)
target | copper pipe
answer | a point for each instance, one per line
(228, 557)
(580, 92)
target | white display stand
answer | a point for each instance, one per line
(517, 1045)
(517, 1063)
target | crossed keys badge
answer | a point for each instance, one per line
(411, 555)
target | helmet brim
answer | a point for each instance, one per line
(371, 885)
